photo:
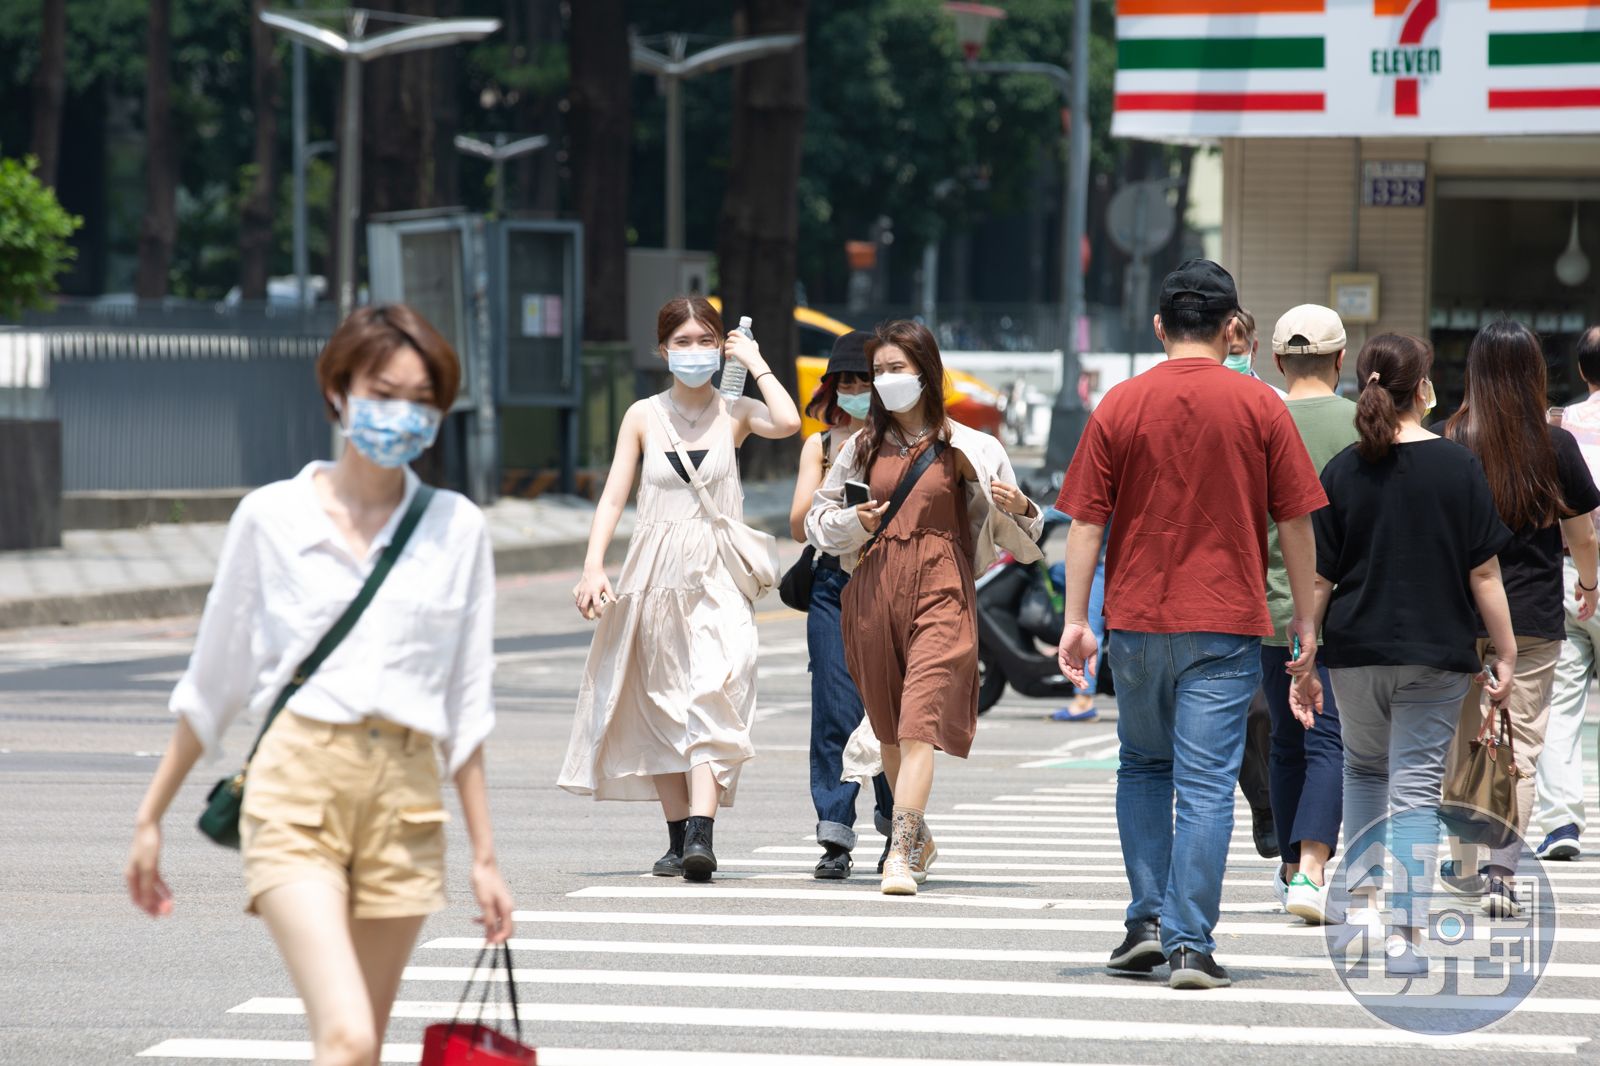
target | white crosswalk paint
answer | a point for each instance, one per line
(973, 1025)
(847, 895)
(998, 853)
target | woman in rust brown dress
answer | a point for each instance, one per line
(909, 612)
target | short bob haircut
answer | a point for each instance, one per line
(365, 342)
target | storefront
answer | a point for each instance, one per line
(1423, 165)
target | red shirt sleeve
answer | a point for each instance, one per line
(1087, 492)
(1293, 488)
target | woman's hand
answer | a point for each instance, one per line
(143, 874)
(1305, 699)
(1009, 498)
(1587, 600)
(494, 899)
(746, 351)
(870, 514)
(593, 594)
(1496, 679)
(1077, 653)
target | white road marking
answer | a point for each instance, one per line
(848, 895)
(1237, 961)
(1106, 837)
(998, 853)
(970, 1025)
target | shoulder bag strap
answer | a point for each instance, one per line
(929, 455)
(689, 469)
(352, 614)
(827, 451)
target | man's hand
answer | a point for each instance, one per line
(1305, 699)
(1304, 632)
(1078, 653)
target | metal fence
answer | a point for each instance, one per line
(990, 327)
(175, 396)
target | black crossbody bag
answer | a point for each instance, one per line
(220, 819)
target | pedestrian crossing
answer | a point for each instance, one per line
(1000, 958)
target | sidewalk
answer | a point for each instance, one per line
(162, 570)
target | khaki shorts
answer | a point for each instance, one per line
(354, 806)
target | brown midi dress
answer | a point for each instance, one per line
(909, 611)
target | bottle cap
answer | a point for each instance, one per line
(744, 320)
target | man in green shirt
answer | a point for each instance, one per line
(1306, 766)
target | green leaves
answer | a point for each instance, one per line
(33, 238)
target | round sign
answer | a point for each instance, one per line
(1139, 219)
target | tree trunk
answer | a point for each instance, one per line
(601, 123)
(444, 115)
(50, 88)
(256, 213)
(159, 230)
(758, 232)
(535, 179)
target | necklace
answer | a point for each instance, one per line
(905, 445)
(695, 421)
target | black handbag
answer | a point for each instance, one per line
(220, 819)
(795, 588)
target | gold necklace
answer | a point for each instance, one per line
(695, 421)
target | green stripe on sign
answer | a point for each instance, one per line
(1220, 53)
(1541, 49)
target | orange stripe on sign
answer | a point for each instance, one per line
(1524, 5)
(1385, 8)
(1221, 7)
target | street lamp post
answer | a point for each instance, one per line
(498, 153)
(671, 68)
(972, 24)
(355, 48)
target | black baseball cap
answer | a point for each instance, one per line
(849, 355)
(1199, 285)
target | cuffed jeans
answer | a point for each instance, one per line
(1397, 722)
(1559, 781)
(1307, 765)
(835, 712)
(1181, 705)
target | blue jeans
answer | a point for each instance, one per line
(1306, 765)
(1097, 613)
(835, 712)
(1181, 705)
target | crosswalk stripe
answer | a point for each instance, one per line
(1107, 837)
(1236, 873)
(972, 1025)
(300, 1051)
(1235, 960)
(1121, 990)
(847, 895)
(802, 871)
(1234, 854)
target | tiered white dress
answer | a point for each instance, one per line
(671, 678)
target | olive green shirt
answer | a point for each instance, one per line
(1327, 426)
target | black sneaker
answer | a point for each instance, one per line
(1140, 951)
(1196, 969)
(1499, 901)
(1264, 831)
(1463, 885)
(834, 865)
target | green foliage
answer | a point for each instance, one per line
(33, 238)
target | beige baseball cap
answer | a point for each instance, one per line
(1309, 329)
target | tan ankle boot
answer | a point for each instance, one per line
(923, 853)
(897, 879)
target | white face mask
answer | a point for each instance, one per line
(899, 392)
(694, 368)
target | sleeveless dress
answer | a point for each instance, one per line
(910, 611)
(670, 682)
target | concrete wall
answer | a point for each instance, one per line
(1292, 217)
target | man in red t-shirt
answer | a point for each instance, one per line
(1193, 458)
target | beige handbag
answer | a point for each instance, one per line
(750, 555)
(1480, 791)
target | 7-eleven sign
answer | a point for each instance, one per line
(1410, 59)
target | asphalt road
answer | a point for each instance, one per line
(998, 960)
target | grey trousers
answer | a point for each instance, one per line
(1398, 722)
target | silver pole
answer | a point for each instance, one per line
(1066, 420)
(349, 184)
(499, 178)
(302, 257)
(675, 237)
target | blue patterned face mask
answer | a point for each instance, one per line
(390, 433)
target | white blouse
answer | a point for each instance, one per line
(421, 656)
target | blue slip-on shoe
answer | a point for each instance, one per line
(1561, 845)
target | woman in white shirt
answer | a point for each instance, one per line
(342, 827)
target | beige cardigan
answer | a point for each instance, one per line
(834, 528)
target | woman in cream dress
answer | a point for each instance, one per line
(668, 693)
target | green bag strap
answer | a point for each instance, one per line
(352, 614)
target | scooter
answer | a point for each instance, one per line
(1018, 611)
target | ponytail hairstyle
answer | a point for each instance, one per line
(1502, 419)
(1390, 369)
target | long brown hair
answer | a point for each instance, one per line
(1502, 419)
(914, 339)
(1390, 368)
(680, 309)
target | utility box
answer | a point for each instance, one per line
(656, 275)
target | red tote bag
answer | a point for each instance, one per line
(471, 1043)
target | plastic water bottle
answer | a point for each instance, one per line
(733, 374)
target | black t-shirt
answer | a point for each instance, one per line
(1530, 566)
(1398, 540)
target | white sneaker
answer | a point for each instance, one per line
(1280, 888)
(1307, 900)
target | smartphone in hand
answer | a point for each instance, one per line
(856, 493)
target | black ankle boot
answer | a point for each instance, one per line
(671, 864)
(699, 862)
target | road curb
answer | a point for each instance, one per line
(121, 605)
